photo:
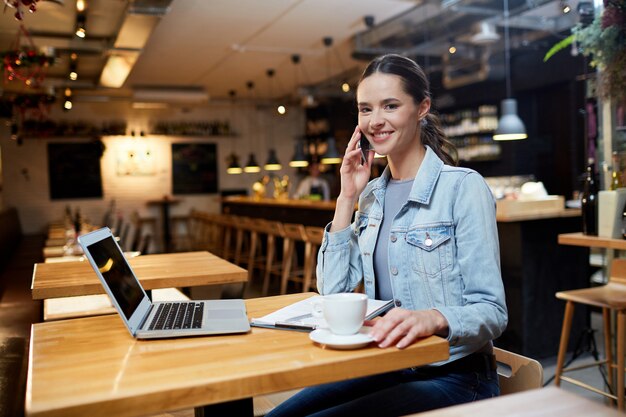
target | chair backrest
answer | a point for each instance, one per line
(294, 231)
(618, 271)
(314, 234)
(516, 372)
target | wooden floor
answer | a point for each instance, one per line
(17, 312)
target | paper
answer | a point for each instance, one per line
(298, 316)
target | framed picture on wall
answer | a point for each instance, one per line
(74, 170)
(194, 168)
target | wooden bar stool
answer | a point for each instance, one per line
(314, 236)
(293, 233)
(262, 231)
(611, 298)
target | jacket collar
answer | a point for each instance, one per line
(424, 182)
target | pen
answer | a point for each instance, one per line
(294, 326)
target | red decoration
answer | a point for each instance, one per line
(25, 63)
(17, 5)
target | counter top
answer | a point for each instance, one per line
(330, 206)
(292, 203)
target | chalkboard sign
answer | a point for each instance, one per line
(194, 168)
(74, 170)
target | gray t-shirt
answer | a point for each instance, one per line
(396, 195)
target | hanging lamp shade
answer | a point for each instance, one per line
(272, 163)
(299, 158)
(510, 126)
(252, 165)
(233, 165)
(331, 156)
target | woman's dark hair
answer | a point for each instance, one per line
(416, 85)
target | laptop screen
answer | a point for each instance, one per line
(117, 274)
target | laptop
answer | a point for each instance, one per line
(145, 319)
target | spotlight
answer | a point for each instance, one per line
(345, 87)
(565, 8)
(81, 19)
(67, 105)
(281, 109)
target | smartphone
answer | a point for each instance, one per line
(365, 146)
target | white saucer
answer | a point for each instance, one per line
(353, 341)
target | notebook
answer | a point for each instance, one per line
(145, 319)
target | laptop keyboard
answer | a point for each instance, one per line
(178, 316)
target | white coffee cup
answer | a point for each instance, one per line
(344, 312)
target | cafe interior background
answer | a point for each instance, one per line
(128, 80)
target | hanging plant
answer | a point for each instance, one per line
(604, 41)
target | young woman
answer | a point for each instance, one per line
(425, 236)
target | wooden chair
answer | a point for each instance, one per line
(293, 233)
(314, 236)
(516, 372)
(611, 298)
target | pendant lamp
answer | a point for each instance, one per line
(272, 163)
(233, 159)
(233, 166)
(331, 156)
(252, 166)
(299, 159)
(510, 126)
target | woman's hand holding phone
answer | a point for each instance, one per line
(356, 165)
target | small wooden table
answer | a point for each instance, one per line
(579, 239)
(544, 402)
(93, 367)
(184, 269)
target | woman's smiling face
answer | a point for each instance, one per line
(388, 116)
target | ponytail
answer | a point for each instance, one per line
(433, 136)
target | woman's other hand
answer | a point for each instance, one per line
(401, 327)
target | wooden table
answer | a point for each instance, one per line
(93, 367)
(545, 402)
(184, 269)
(579, 239)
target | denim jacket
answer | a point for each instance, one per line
(443, 252)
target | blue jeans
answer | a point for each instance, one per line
(391, 394)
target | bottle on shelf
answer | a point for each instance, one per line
(616, 175)
(589, 201)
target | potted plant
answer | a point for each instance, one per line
(604, 41)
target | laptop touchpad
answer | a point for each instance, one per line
(224, 314)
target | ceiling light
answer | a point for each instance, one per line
(299, 158)
(233, 166)
(252, 166)
(67, 105)
(272, 163)
(81, 19)
(117, 68)
(331, 156)
(345, 87)
(510, 126)
(452, 49)
(80, 5)
(485, 34)
(281, 109)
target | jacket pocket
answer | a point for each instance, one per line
(430, 248)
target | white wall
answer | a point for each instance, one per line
(25, 168)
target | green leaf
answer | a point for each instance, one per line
(557, 47)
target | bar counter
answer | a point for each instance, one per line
(307, 212)
(534, 265)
